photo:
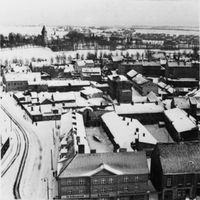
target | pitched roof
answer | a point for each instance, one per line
(180, 158)
(132, 73)
(117, 163)
(139, 79)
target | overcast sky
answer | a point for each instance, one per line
(100, 12)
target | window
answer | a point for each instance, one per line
(81, 181)
(188, 179)
(103, 181)
(126, 188)
(136, 178)
(103, 190)
(95, 181)
(169, 181)
(180, 180)
(81, 192)
(125, 179)
(69, 191)
(69, 182)
(110, 180)
(198, 179)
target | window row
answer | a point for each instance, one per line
(181, 180)
(95, 181)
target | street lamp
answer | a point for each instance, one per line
(46, 180)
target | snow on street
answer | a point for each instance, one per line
(38, 163)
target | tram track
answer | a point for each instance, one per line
(16, 187)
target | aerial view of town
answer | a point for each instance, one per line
(100, 99)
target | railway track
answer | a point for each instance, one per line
(15, 155)
(16, 187)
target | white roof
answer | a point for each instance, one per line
(89, 61)
(132, 73)
(138, 108)
(120, 77)
(66, 123)
(80, 63)
(40, 63)
(124, 131)
(34, 76)
(68, 68)
(91, 70)
(90, 91)
(66, 82)
(180, 119)
(81, 132)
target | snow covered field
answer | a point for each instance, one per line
(27, 53)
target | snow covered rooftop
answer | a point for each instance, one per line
(139, 79)
(132, 73)
(90, 91)
(138, 108)
(127, 130)
(117, 77)
(34, 76)
(67, 83)
(180, 119)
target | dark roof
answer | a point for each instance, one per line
(180, 158)
(122, 162)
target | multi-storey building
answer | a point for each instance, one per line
(120, 88)
(121, 175)
(175, 170)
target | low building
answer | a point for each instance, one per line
(91, 74)
(146, 113)
(144, 85)
(175, 170)
(181, 126)
(105, 175)
(19, 81)
(90, 92)
(127, 134)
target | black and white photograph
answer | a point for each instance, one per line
(100, 99)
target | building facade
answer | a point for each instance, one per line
(175, 170)
(101, 176)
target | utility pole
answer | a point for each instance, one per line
(51, 160)
(47, 181)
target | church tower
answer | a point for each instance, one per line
(44, 36)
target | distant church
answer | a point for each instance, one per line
(44, 36)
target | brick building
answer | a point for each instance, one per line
(181, 126)
(120, 88)
(121, 175)
(175, 170)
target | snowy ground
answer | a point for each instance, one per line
(104, 145)
(45, 53)
(38, 164)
